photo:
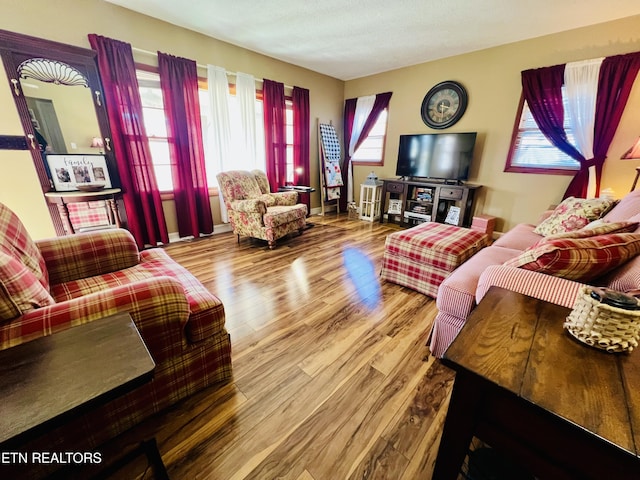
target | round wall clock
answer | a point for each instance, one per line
(444, 104)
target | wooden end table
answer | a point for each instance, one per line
(525, 387)
(46, 382)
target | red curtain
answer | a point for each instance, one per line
(179, 83)
(347, 125)
(381, 103)
(145, 217)
(274, 133)
(301, 125)
(542, 89)
(617, 75)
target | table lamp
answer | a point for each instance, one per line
(97, 142)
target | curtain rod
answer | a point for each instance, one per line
(199, 65)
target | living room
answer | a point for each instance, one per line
(491, 77)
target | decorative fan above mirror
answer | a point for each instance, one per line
(51, 71)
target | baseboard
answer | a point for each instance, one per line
(217, 229)
(318, 211)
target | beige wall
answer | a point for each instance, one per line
(19, 186)
(492, 79)
(69, 21)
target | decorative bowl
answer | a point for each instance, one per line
(90, 187)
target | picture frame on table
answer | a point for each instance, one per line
(395, 207)
(453, 215)
(70, 171)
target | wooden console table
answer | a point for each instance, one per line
(61, 199)
(524, 386)
(434, 207)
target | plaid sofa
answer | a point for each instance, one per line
(50, 285)
(256, 212)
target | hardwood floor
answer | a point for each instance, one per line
(332, 378)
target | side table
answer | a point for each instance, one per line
(48, 381)
(305, 192)
(370, 200)
(61, 199)
(528, 389)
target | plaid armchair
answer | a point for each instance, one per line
(256, 212)
(50, 285)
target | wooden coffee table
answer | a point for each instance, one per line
(532, 392)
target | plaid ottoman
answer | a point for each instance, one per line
(423, 256)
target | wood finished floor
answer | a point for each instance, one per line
(332, 379)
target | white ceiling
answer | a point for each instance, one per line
(348, 39)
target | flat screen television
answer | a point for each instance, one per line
(445, 156)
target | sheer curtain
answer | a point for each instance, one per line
(364, 106)
(219, 131)
(232, 130)
(249, 151)
(179, 84)
(145, 217)
(581, 91)
(274, 133)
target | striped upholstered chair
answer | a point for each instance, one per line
(50, 285)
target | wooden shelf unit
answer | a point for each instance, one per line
(423, 200)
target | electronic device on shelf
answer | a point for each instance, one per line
(444, 156)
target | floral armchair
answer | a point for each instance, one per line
(254, 211)
(50, 285)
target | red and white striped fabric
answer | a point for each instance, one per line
(457, 295)
(534, 284)
(421, 257)
(625, 278)
(445, 329)
(626, 208)
(544, 287)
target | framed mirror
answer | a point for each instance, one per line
(60, 101)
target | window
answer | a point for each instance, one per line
(371, 150)
(289, 138)
(531, 152)
(156, 126)
(243, 158)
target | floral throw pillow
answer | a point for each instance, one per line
(573, 214)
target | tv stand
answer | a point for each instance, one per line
(425, 200)
(441, 181)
